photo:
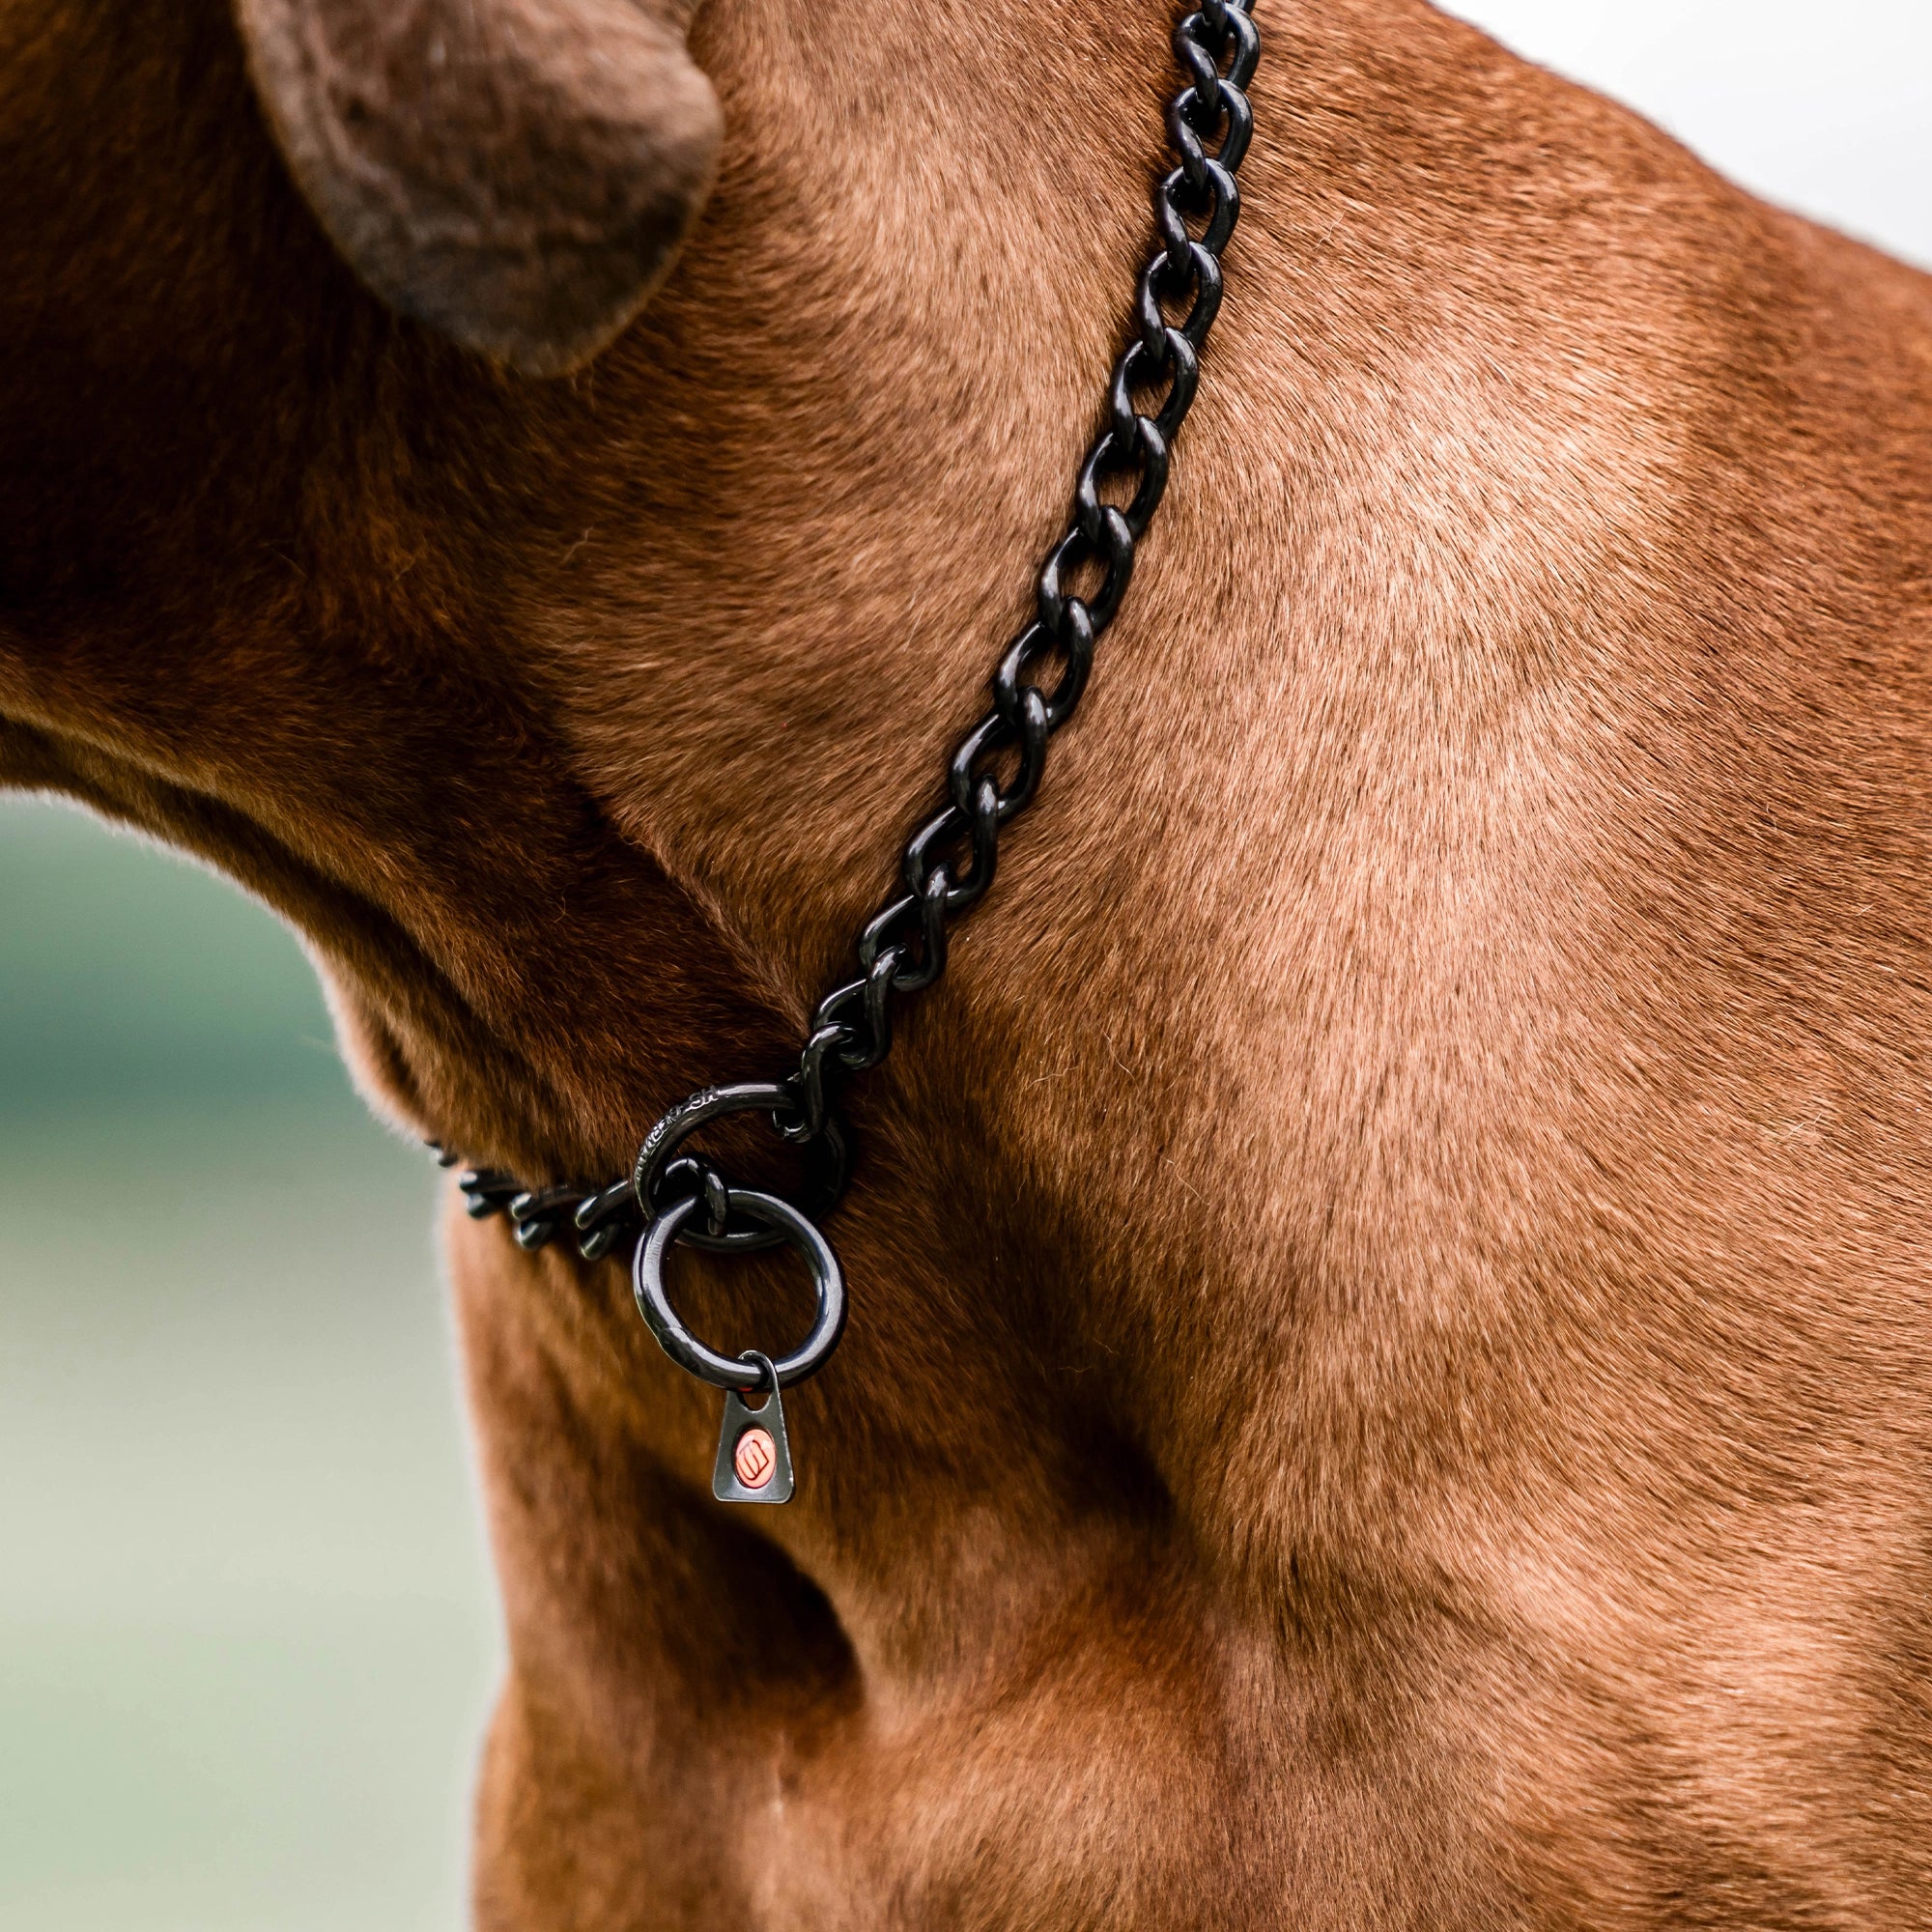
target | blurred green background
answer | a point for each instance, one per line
(246, 1634)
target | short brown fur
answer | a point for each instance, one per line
(1391, 1379)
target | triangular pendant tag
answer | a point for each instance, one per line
(754, 1457)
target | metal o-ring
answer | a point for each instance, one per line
(685, 1348)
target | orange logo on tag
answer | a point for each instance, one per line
(755, 1459)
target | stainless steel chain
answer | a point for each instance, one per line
(949, 862)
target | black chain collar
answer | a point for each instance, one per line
(949, 862)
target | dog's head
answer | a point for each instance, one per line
(315, 561)
(268, 490)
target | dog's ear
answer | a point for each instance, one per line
(517, 173)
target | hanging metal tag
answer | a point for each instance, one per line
(754, 1457)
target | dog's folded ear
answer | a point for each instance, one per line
(516, 173)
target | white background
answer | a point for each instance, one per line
(1825, 108)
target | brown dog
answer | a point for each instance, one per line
(1391, 1374)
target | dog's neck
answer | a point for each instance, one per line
(577, 725)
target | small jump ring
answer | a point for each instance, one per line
(684, 1348)
(767, 1376)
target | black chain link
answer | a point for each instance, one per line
(949, 862)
